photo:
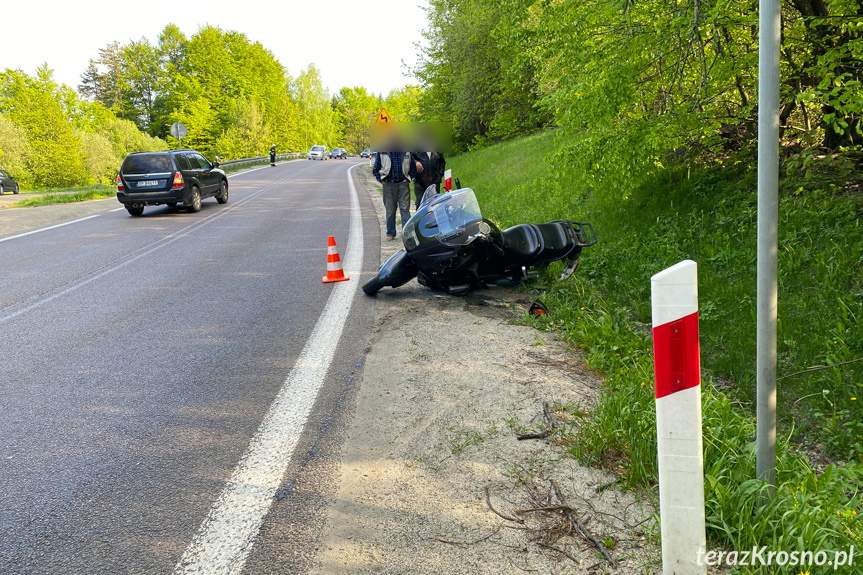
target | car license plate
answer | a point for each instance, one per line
(148, 183)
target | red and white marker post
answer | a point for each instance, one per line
(447, 180)
(674, 297)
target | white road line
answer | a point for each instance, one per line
(118, 209)
(226, 536)
(48, 228)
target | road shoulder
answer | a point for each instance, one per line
(448, 382)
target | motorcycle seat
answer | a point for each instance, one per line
(555, 240)
(522, 242)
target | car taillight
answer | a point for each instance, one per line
(178, 181)
(120, 186)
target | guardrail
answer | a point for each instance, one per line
(259, 160)
(243, 162)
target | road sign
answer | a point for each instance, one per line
(383, 117)
(178, 130)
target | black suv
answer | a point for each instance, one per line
(154, 178)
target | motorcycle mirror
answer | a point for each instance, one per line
(430, 192)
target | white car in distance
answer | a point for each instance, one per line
(318, 153)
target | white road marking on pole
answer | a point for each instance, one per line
(48, 228)
(141, 252)
(226, 536)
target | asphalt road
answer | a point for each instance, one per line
(140, 357)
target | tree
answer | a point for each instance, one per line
(633, 84)
(284, 121)
(90, 86)
(51, 137)
(402, 104)
(141, 76)
(356, 110)
(54, 157)
(247, 135)
(823, 48)
(14, 149)
(317, 125)
(100, 157)
(172, 47)
(111, 82)
(474, 73)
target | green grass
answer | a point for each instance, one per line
(68, 196)
(708, 215)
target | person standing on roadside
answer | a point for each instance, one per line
(273, 155)
(430, 167)
(394, 169)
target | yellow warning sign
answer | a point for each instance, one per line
(383, 116)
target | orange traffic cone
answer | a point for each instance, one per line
(334, 264)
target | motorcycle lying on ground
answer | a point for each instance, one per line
(450, 247)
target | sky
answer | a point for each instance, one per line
(351, 42)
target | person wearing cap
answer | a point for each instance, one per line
(273, 155)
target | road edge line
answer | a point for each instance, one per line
(226, 536)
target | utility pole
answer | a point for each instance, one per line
(769, 23)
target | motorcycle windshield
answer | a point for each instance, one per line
(456, 215)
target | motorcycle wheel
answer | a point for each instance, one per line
(373, 286)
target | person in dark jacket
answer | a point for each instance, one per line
(429, 163)
(430, 167)
(273, 155)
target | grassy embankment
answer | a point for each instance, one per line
(709, 215)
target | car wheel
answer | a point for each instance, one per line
(222, 198)
(2, 191)
(17, 189)
(133, 211)
(195, 201)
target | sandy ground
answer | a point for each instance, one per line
(447, 384)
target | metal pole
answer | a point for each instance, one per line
(768, 215)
